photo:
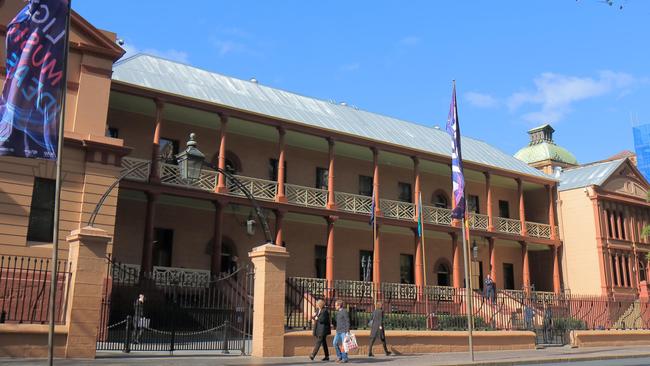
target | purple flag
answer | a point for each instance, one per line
(32, 96)
(457, 178)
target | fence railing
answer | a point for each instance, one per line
(261, 189)
(397, 209)
(538, 230)
(353, 202)
(444, 308)
(306, 196)
(141, 174)
(436, 215)
(510, 226)
(25, 284)
(478, 221)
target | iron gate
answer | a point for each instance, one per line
(182, 310)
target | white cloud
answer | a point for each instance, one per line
(554, 94)
(410, 41)
(481, 100)
(170, 54)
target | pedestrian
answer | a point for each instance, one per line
(489, 288)
(138, 318)
(322, 329)
(548, 323)
(377, 329)
(342, 324)
(528, 317)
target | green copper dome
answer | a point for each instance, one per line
(542, 147)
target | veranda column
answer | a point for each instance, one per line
(619, 222)
(612, 220)
(522, 207)
(154, 173)
(524, 266)
(331, 196)
(376, 257)
(551, 211)
(488, 193)
(493, 264)
(221, 181)
(557, 287)
(329, 257)
(280, 194)
(279, 222)
(217, 239)
(455, 261)
(618, 270)
(146, 265)
(625, 264)
(419, 267)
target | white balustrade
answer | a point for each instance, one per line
(170, 175)
(355, 289)
(306, 196)
(478, 221)
(141, 174)
(183, 277)
(125, 273)
(261, 189)
(538, 230)
(312, 286)
(397, 209)
(510, 226)
(436, 215)
(353, 202)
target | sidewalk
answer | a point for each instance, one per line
(528, 357)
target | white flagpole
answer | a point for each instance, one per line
(57, 193)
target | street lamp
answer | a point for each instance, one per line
(190, 161)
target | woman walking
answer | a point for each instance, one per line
(377, 329)
(322, 329)
(342, 325)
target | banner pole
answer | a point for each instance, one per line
(468, 292)
(57, 194)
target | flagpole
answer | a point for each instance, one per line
(424, 251)
(374, 241)
(57, 194)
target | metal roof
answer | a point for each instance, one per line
(545, 151)
(587, 175)
(180, 79)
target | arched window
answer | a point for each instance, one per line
(442, 271)
(233, 163)
(440, 199)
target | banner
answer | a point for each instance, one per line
(32, 96)
(457, 178)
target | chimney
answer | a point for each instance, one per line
(541, 134)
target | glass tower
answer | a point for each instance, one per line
(641, 134)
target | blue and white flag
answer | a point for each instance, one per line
(457, 178)
(32, 95)
(372, 208)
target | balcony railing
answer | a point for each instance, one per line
(305, 196)
(164, 276)
(266, 190)
(397, 209)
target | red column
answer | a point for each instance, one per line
(551, 211)
(618, 270)
(619, 223)
(488, 193)
(557, 287)
(493, 264)
(419, 268)
(280, 195)
(522, 207)
(329, 258)
(221, 180)
(279, 219)
(215, 259)
(376, 261)
(455, 260)
(154, 173)
(149, 234)
(331, 196)
(525, 269)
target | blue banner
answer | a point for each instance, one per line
(32, 96)
(457, 178)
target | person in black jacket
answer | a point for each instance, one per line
(322, 329)
(138, 318)
(377, 329)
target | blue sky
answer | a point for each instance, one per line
(580, 65)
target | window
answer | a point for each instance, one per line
(405, 268)
(162, 247)
(504, 209)
(365, 185)
(642, 271)
(405, 193)
(168, 150)
(472, 204)
(365, 265)
(41, 213)
(273, 170)
(440, 200)
(112, 132)
(443, 274)
(508, 276)
(320, 255)
(322, 176)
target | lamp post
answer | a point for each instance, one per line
(190, 161)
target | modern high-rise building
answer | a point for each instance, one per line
(641, 134)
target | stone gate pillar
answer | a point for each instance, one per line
(270, 263)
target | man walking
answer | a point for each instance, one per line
(342, 325)
(490, 288)
(322, 329)
(377, 329)
(138, 318)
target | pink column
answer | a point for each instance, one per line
(488, 193)
(331, 196)
(279, 221)
(280, 194)
(556, 271)
(551, 211)
(329, 258)
(456, 258)
(493, 263)
(524, 265)
(154, 173)
(522, 207)
(221, 163)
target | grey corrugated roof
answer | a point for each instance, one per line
(180, 79)
(587, 175)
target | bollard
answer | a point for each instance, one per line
(226, 326)
(127, 338)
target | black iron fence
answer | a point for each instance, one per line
(181, 310)
(25, 284)
(550, 315)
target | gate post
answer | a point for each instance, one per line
(268, 305)
(87, 259)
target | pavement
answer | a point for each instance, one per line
(627, 356)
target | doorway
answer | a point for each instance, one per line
(508, 276)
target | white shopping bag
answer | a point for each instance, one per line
(350, 343)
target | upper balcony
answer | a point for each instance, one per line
(266, 190)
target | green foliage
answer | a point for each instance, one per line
(568, 324)
(459, 322)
